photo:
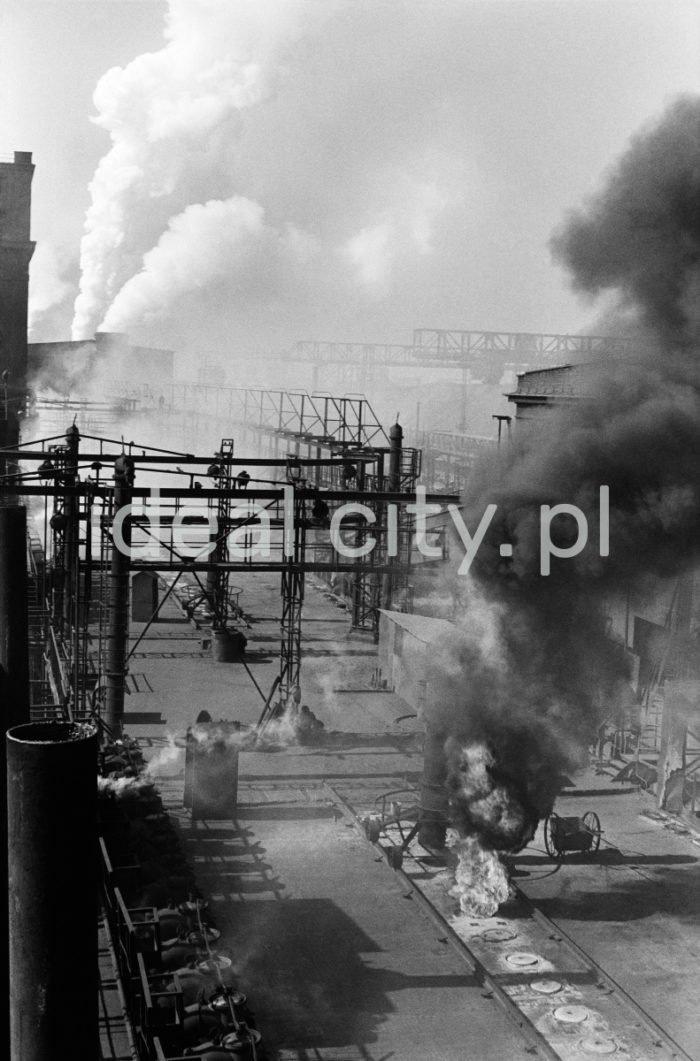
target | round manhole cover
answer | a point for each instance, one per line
(546, 987)
(498, 935)
(220, 961)
(522, 959)
(571, 1014)
(599, 1045)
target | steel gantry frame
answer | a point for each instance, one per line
(73, 481)
(479, 354)
(274, 420)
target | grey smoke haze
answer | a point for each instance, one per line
(552, 673)
(408, 160)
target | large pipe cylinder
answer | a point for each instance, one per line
(53, 881)
(14, 696)
(434, 800)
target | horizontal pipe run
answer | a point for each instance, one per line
(180, 563)
(169, 492)
(363, 455)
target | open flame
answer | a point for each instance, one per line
(481, 882)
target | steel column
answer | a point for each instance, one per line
(118, 631)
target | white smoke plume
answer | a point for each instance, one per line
(208, 210)
(48, 286)
(208, 243)
(172, 116)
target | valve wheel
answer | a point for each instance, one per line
(592, 823)
(549, 841)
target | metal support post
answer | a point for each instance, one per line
(395, 454)
(71, 535)
(118, 631)
(292, 604)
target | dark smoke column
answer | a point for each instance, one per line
(551, 673)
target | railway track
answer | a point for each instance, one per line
(565, 1005)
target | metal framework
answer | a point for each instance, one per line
(449, 457)
(88, 603)
(321, 419)
(449, 347)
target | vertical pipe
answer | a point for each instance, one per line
(14, 698)
(395, 453)
(52, 826)
(395, 450)
(464, 396)
(118, 631)
(433, 800)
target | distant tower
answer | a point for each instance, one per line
(16, 250)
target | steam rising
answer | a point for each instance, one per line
(203, 197)
(172, 116)
(551, 672)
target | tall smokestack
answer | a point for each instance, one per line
(52, 823)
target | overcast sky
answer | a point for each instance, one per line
(275, 170)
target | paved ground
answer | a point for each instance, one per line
(338, 962)
(634, 905)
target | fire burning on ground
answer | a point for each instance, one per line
(481, 881)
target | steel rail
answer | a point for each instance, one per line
(599, 976)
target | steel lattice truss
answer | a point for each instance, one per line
(437, 346)
(79, 493)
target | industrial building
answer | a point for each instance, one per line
(228, 636)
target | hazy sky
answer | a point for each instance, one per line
(333, 169)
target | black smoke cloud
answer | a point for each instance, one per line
(553, 671)
(641, 235)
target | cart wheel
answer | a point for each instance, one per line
(372, 829)
(394, 856)
(592, 823)
(550, 846)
